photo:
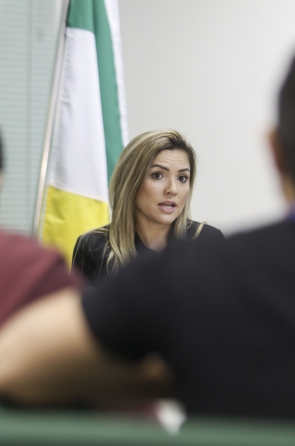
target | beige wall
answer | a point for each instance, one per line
(210, 68)
(28, 35)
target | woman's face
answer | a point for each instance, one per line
(164, 191)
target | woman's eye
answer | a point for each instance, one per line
(157, 175)
(183, 178)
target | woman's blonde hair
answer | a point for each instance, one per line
(130, 172)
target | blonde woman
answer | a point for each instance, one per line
(150, 193)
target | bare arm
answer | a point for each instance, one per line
(49, 356)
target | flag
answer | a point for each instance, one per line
(90, 125)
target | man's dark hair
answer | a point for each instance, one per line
(286, 120)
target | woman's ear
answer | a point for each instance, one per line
(276, 151)
(287, 184)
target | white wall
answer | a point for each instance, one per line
(211, 69)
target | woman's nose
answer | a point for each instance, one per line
(171, 188)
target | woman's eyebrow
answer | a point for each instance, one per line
(161, 167)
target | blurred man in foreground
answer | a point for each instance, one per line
(222, 318)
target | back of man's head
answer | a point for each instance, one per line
(286, 120)
(1, 154)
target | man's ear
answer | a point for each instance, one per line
(276, 151)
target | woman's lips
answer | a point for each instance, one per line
(167, 207)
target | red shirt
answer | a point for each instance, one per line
(29, 271)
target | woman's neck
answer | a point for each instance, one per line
(153, 236)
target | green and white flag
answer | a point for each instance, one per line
(90, 128)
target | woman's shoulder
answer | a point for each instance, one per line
(197, 229)
(94, 239)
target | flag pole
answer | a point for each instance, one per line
(50, 116)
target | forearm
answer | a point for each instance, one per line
(49, 356)
(42, 350)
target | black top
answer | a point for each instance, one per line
(90, 255)
(223, 316)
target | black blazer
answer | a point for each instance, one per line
(91, 249)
